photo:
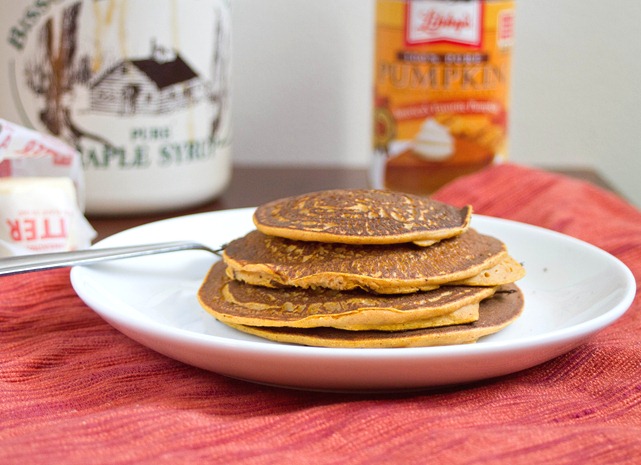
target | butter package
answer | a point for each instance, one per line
(41, 194)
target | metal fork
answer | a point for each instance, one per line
(36, 262)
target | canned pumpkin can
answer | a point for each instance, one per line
(441, 89)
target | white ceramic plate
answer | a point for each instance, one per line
(572, 290)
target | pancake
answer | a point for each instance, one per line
(361, 216)
(495, 314)
(271, 261)
(506, 271)
(231, 301)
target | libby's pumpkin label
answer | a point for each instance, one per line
(441, 80)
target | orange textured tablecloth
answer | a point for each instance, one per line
(76, 391)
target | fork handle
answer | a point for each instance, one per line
(36, 262)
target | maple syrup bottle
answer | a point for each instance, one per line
(140, 88)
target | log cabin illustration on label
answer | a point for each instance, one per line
(162, 83)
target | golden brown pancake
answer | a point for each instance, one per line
(364, 268)
(271, 261)
(495, 314)
(236, 302)
(506, 271)
(361, 216)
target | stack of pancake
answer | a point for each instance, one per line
(364, 268)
